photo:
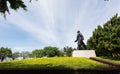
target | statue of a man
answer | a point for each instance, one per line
(79, 40)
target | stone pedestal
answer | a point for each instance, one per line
(83, 53)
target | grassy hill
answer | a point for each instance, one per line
(56, 62)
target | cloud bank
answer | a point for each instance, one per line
(55, 23)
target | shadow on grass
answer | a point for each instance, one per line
(60, 71)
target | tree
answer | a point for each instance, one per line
(5, 52)
(68, 51)
(13, 4)
(51, 51)
(61, 53)
(106, 40)
(38, 53)
(15, 55)
(24, 54)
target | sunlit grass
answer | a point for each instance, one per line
(56, 62)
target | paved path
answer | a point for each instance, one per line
(116, 65)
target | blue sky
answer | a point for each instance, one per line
(54, 23)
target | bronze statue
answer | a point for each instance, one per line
(79, 40)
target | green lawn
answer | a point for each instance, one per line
(56, 62)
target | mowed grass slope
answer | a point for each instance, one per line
(56, 62)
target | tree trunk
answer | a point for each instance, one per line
(2, 59)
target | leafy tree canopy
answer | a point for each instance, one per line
(6, 5)
(106, 39)
(51, 51)
(5, 52)
(68, 51)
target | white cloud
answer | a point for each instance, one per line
(54, 22)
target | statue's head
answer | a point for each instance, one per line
(78, 31)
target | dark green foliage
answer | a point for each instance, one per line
(48, 51)
(14, 4)
(5, 52)
(51, 51)
(6, 5)
(68, 51)
(106, 40)
(15, 55)
(38, 53)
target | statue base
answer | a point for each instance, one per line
(83, 53)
